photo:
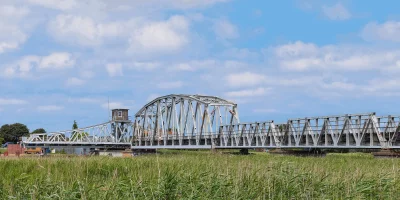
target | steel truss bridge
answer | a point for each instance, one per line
(206, 122)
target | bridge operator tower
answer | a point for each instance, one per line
(120, 122)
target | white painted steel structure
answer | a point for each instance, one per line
(363, 131)
(190, 120)
(204, 122)
(112, 134)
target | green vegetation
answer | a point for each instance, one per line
(39, 130)
(74, 125)
(201, 175)
(12, 132)
(2, 150)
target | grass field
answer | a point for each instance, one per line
(201, 175)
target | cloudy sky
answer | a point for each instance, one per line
(61, 60)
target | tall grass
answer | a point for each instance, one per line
(201, 175)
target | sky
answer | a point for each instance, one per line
(64, 60)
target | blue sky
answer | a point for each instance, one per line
(62, 60)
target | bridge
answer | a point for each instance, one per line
(207, 122)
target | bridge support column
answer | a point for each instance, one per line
(244, 151)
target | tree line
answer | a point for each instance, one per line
(13, 132)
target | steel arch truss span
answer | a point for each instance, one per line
(192, 121)
(109, 134)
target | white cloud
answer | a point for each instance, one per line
(144, 36)
(11, 11)
(58, 60)
(183, 67)
(156, 5)
(56, 4)
(225, 29)
(245, 79)
(4, 101)
(165, 4)
(170, 85)
(21, 68)
(11, 37)
(388, 31)
(144, 65)
(185, 4)
(75, 29)
(336, 12)
(195, 65)
(249, 92)
(48, 108)
(340, 86)
(114, 69)
(161, 37)
(13, 26)
(73, 81)
(85, 31)
(300, 56)
(243, 54)
(24, 67)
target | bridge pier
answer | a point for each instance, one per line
(303, 152)
(244, 151)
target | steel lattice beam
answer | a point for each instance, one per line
(106, 134)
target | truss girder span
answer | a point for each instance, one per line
(106, 134)
(182, 120)
(355, 131)
(328, 132)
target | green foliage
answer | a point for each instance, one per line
(39, 130)
(2, 141)
(201, 175)
(75, 125)
(12, 132)
(62, 151)
(282, 128)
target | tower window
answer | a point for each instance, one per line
(119, 113)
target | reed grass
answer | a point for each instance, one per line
(201, 175)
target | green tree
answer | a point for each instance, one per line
(1, 140)
(75, 125)
(39, 130)
(282, 128)
(12, 132)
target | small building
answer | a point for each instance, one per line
(120, 114)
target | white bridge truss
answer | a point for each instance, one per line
(188, 120)
(362, 131)
(204, 122)
(110, 134)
